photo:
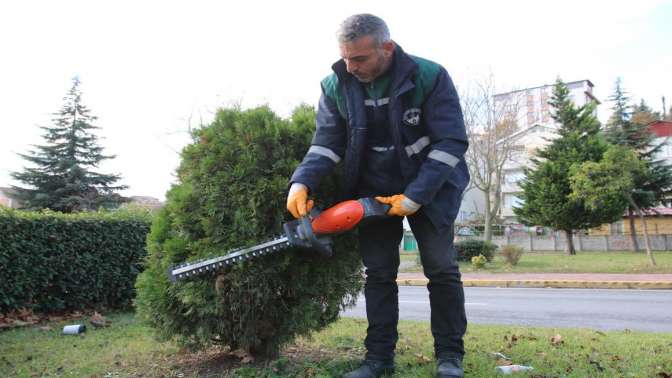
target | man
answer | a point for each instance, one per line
(395, 121)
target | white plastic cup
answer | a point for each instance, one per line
(510, 369)
(74, 329)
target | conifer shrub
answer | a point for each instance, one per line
(231, 192)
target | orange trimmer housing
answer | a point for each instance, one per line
(347, 215)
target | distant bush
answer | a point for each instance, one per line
(470, 248)
(478, 261)
(512, 254)
(53, 262)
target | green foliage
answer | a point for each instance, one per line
(63, 177)
(609, 183)
(231, 193)
(478, 262)
(53, 262)
(546, 189)
(630, 129)
(467, 249)
(512, 254)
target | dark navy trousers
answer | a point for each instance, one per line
(379, 247)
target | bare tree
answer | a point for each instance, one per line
(490, 121)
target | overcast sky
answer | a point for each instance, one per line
(150, 69)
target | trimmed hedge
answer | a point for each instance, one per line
(467, 249)
(52, 262)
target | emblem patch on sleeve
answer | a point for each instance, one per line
(412, 116)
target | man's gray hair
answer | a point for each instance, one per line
(361, 25)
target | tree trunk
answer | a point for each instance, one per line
(569, 246)
(647, 244)
(487, 233)
(633, 232)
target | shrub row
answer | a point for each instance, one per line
(52, 262)
(467, 249)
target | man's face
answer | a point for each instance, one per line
(364, 60)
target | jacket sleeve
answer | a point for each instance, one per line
(327, 147)
(448, 140)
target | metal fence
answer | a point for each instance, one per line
(557, 242)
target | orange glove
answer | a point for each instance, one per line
(401, 205)
(297, 200)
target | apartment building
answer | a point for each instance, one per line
(6, 200)
(530, 108)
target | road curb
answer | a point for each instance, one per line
(551, 283)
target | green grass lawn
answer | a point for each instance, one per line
(582, 262)
(127, 349)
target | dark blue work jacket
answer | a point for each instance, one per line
(427, 129)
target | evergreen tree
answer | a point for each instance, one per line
(63, 177)
(631, 129)
(546, 189)
(642, 114)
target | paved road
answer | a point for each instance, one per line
(644, 310)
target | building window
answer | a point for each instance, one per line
(514, 177)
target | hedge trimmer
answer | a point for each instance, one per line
(304, 232)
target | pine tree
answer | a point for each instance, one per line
(63, 177)
(631, 129)
(546, 188)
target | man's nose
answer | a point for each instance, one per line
(350, 66)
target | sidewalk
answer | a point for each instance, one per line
(557, 280)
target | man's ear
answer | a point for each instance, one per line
(388, 48)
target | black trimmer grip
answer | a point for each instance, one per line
(299, 233)
(373, 210)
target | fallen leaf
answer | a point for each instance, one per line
(245, 357)
(24, 313)
(98, 320)
(556, 340)
(46, 328)
(502, 362)
(19, 323)
(422, 359)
